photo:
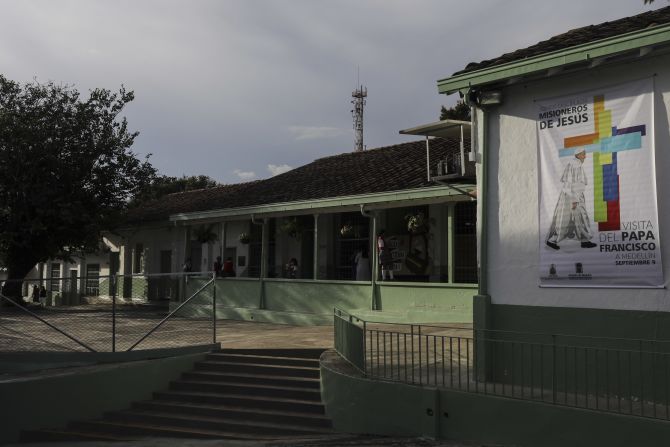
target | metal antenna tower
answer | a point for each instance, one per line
(359, 96)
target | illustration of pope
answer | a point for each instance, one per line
(570, 219)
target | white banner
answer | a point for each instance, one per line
(598, 213)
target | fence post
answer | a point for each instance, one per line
(214, 308)
(113, 286)
(553, 368)
(365, 337)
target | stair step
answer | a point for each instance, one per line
(260, 402)
(141, 430)
(52, 435)
(237, 412)
(240, 394)
(307, 353)
(199, 422)
(239, 377)
(275, 370)
(247, 389)
(263, 359)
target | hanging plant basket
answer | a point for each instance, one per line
(205, 235)
(243, 238)
(347, 230)
(417, 223)
(292, 227)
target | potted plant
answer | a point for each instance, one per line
(292, 227)
(243, 238)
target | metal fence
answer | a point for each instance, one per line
(107, 313)
(627, 376)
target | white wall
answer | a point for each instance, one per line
(513, 192)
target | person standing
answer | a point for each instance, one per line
(218, 267)
(385, 258)
(362, 262)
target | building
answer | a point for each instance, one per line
(570, 340)
(613, 75)
(321, 215)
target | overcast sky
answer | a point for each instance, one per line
(246, 89)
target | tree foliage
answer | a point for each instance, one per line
(461, 111)
(163, 185)
(66, 170)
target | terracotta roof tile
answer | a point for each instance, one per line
(391, 168)
(578, 36)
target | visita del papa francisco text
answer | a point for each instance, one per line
(635, 236)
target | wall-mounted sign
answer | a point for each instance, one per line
(598, 213)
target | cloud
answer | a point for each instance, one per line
(278, 169)
(316, 133)
(244, 175)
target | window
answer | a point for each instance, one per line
(138, 258)
(55, 277)
(93, 279)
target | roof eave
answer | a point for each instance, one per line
(548, 61)
(425, 193)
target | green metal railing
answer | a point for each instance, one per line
(627, 376)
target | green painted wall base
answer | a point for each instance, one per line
(359, 405)
(578, 321)
(305, 302)
(51, 401)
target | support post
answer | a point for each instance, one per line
(375, 262)
(113, 284)
(451, 250)
(315, 274)
(214, 308)
(265, 239)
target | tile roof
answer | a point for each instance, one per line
(578, 36)
(392, 168)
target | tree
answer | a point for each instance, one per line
(163, 185)
(461, 111)
(66, 172)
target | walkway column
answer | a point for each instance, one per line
(316, 248)
(375, 261)
(224, 231)
(265, 240)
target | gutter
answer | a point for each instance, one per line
(580, 53)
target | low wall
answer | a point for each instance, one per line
(312, 302)
(359, 405)
(51, 401)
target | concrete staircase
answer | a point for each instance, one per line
(246, 394)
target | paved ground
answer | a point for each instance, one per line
(92, 325)
(333, 441)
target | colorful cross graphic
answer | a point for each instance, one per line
(604, 143)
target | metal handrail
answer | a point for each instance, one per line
(172, 313)
(503, 331)
(34, 315)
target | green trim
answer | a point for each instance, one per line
(435, 285)
(429, 194)
(483, 201)
(579, 53)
